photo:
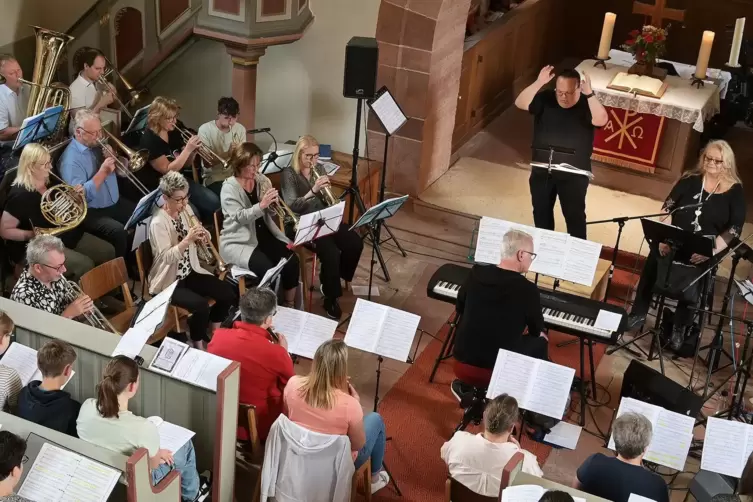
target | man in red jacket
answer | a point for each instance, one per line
(266, 365)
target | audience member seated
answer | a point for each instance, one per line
(46, 403)
(10, 382)
(42, 284)
(615, 478)
(326, 402)
(266, 365)
(744, 487)
(106, 421)
(477, 460)
(12, 458)
(496, 305)
(556, 496)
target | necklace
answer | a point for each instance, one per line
(698, 211)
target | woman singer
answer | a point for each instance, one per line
(174, 234)
(716, 185)
(22, 213)
(163, 141)
(339, 253)
(250, 237)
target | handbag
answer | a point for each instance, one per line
(680, 275)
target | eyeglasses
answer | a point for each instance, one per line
(564, 94)
(45, 164)
(173, 118)
(58, 269)
(533, 255)
(713, 161)
(96, 133)
(180, 199)
(311, 156)
(24, 459)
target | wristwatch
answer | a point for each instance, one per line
(590, 95)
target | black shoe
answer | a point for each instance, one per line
(332, 308)
(205, 487)
(678, 338)
(634, 321)
(460, 390)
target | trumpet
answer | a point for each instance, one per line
(210, 157)
(94, 317)
(63, 206)
(325, 193)
(136, 160)
(283, 211)
(205, 249)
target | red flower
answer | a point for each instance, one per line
(630, 42)
(634, 33)
(659, 37)
(649, 39)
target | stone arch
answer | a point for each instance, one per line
(420, 57)
(129, 36)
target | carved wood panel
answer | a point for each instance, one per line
(129, 36)
(170, 10)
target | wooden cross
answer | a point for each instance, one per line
(658, 12)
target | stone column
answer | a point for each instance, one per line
(245, 65)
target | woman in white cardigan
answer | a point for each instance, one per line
(250, 238)
(173, 241)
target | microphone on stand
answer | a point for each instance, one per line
(257, 131)
(688, 206)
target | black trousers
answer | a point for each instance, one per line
(108, 223)
(649, 276)
(192, 292)
(267, 254)
(571, 189)
(339, 254)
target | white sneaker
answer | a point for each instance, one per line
(384, 480)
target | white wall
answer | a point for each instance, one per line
(17, 15)
(299, 86)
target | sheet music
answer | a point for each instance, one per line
(551, 253)
(141, 234)
(132, 341)
(143, 207)
(512, 375)
(23, 359)
(564, 434)
(271, 273)
(388, 113)
(523, 493)
(726, 446)
(365, 325)
(305, 332)
(489, 240)
(608, 320)
(308, 224)
(672, 433)
(639, 498)
(168, 355)
(381, 330)
(582, 258)
(200, 368)
(236, 271)
(160, 302)
(171, 437)
(329, 167)
(63, 475)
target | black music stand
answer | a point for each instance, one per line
(684, 244)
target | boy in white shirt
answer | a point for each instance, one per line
(219, 135)
(477, 460)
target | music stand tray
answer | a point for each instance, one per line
(38, 127)
(138, 123)
(311, 226)
(144, 208)
(380, 212)
(684, 243)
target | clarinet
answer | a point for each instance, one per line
(274, 336)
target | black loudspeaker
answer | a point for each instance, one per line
(648, 385)
(361, 62)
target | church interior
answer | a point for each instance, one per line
(462, 156)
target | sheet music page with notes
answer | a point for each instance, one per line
(581, 262)
(172, 437)
(512, 376)
(59, 474)
(726, 446)
(132, 341)
(489, 240)
(305, 332)
(23, 359)
(200, 368)
(523, 493)
(551, 253)
(381, 330)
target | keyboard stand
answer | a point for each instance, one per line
(447, 345)
(582, 386)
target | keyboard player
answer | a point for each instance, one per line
(497, 304)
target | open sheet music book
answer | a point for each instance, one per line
(672, 433)
(305, 332)
(558, 254)
(638, 84)
(171, 437)
(565, 168)
(132, 341)
(382, 330)
(537, 385)
(59, 474)
(726, 446)
(23, 359)
(185, 363)
(527, 493)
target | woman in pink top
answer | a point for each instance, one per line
(325, 402)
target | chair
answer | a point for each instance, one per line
(144, 260)
(251, 449)
(102, 279)
(456, 491)
(304, 254)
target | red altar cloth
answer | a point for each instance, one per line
(630, 139)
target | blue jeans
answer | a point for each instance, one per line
(376, 441)
(185, 463)
(203, 199)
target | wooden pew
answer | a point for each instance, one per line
(211, 415)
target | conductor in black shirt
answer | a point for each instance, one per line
(564, 117)
(496, 305)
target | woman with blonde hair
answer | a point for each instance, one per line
(250, 237)
(22, 213)
(169, 152)
(174, 239)
(107, 422)
(339, 253)
(716, 185)
(326, 402)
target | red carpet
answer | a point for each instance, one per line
(421, 416)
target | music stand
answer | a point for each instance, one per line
(311, 226)
(38, 127)
(139, 120)
(683, 244)
(143, 208)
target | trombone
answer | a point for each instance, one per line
(136, 160)
(210, 157)
(109, 87)
(206, 250)
(94, 317)
(132, 91)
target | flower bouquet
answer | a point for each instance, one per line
(646, 45)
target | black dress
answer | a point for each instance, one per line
(721, 212)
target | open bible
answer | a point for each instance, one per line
(638, 84)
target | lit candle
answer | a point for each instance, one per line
(703, 54)
(606, 35)
(737, 40)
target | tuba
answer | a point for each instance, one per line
(325, 194)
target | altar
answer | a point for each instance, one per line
(648, 142)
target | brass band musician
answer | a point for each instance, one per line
(14, 98)
(85, 93)
(220, 135)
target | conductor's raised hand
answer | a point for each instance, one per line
(269, 197)
(585, 84)
(546, 75)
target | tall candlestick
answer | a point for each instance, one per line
(606, 35)
(737, 40)
(704, 54)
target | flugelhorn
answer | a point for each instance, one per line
(325, 193)
(94, 317)
(210, 157)
(205, 249)
(63, 206)
(136, 160)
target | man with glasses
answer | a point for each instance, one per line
(219, 135)
(266, 365)
(14, 98)
(564, 117)
(41, 284)
(83, 163)
(496, 305)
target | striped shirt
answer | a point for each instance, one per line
(10, 388)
